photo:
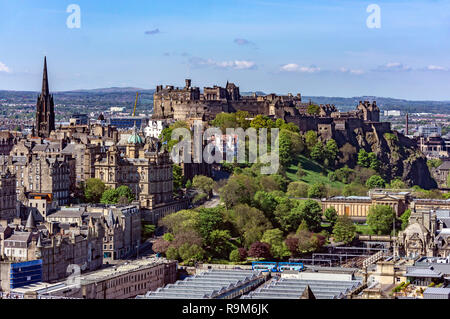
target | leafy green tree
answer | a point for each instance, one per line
(275, 238)
(125, 192)
(313, 109)
(285, 145)
(363, 158)
(380, 219)
(93, 190)
(109, 196)
(168, 237)
(300, 172)
(181, 221)
(235, 256)
(191, 253)
(354, 189)
(331, 215)
(148, 231)
(298, 189)
(344, 230)
(224, 121)
(374, 161)
(331, 151)
(311, 213)
(405, 218)
(273, 182)
(172, 253)
(266, 202)
(177, 177)
(240, 189)
(317, 190)
(397, 184)
(311, 139)
(318, 152)
(375, 181)
(250, 223)
(203, 183)
(219, 243)
(112, 196)
(208, 220)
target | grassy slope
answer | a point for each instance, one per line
(313, 172)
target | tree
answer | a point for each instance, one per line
(274, 237)
(354, 189)
(380, 219)
(298, 189)
(318, 152)
(300, 172)
(177, 172)
(317, 190)
(260, 250)
(181, 221)
(109, 196)
(375, 181)
(313, 109)
(242, 253)
(397, 184)
(363, 158)
(331, 215)
(331, 151)
(234, 256)
(148, 231)
(240, 189)
(344, 230)
(310, 139)
(160, 246)
(208, 220)
(266, 202)
(172, 253)
(203, 183)
(311, 213)
(219, 243)
(191, 253)
(94, 190)
(125, 192)
(284, 149)
(271, 183)
(250, 223)
(374, 162)
(405, 218)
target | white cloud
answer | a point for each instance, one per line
(351, 71)
(4, 68)
(436, 68)
(233, 64)
(394, 66)
(293, 67)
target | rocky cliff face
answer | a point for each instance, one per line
(398, 154)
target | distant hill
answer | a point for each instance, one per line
(124, 96)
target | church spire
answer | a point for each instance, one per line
(45, 89)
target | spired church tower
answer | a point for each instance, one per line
(45, 112)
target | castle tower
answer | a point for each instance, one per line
(45, 113)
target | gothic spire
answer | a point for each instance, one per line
(45, 89)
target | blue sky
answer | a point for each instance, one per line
(309, 47)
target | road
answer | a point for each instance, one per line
(213, 202)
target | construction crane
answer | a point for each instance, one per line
(135, 103)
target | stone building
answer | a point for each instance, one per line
(144, 167)
(81, 248)
(187, 103)
(35, 173)
(427, 234)
(7, 141)
(8, 196)
(357, 207)
(118, 282)
(45, 108)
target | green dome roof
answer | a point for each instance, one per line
(134, 139)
